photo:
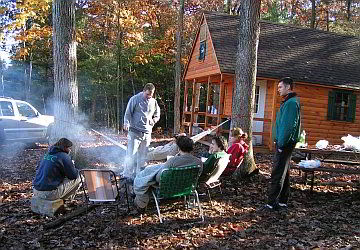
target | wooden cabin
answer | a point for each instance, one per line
(325, 67)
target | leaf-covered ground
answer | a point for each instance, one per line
(327, 219)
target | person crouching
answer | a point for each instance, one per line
(56, 176)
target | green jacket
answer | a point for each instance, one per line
(286, 131)
(209, 164)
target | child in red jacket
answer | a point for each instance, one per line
(237, 150)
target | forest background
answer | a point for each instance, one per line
(123, 44)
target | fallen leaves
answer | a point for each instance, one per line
(329, 218)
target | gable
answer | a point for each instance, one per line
(197, 66)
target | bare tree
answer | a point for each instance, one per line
(313, 14)
(179, 35)
(348, 9)
(245, 76)
(65, 85)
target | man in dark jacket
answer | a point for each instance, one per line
(285, 134)
(56, 177)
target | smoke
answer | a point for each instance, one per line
(95, 149)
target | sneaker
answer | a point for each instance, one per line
(267, 208)
(282, 206)
(139, 210)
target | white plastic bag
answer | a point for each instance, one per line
(351, 142)
(322, 144)
(309, 163)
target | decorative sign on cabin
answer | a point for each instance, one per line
(202, 49)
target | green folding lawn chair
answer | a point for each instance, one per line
(178, 182)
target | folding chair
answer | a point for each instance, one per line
(178, 182)
(212, 179)
(101, 188)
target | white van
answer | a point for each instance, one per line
(19, 121)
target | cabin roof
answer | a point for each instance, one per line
(307, 55)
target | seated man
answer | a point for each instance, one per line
(56, 177)
(217, 150)
(237, 150)
(151, 174)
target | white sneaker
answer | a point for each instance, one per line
(283, 205)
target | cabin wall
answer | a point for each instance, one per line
(314, 107)
(228, 98)
(269, 111)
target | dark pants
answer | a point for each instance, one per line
(279, 181)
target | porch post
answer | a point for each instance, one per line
(186, 85)
(221, 101)
(192, 106)
(207, 102)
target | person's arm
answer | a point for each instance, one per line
(70, 171)
(128, 112)
(156, 116)
(289, 120)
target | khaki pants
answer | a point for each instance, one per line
(136, 154)
(64, 191)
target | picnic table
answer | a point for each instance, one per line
(335, 156)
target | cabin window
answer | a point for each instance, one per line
(341, 106)
(257, 98)
(202, 48)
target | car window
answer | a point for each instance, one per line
(25, 110)
(6, 109)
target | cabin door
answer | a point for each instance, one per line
(259, 108)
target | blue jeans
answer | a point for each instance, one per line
(136, 153)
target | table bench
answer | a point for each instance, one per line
(324, 156)
(324, 169)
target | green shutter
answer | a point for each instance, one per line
(352, 108)
(331, 105)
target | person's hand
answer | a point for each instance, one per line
(126, 127)
(279, 150)
(151, 122)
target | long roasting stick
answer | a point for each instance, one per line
(195, 138)
(198, 137)
(111, 140)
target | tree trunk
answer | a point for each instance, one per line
(227, 8)
(2, 78)
(93, 107)
(29, 80)
(179, 35)
(64, 53)
(348, 9)
(245, 76)
(313, 14)
(327, 18)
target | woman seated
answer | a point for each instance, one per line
(237, 150)
(56, 176)
(217, 150)
(151, 174)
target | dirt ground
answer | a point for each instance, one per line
(328, 218)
